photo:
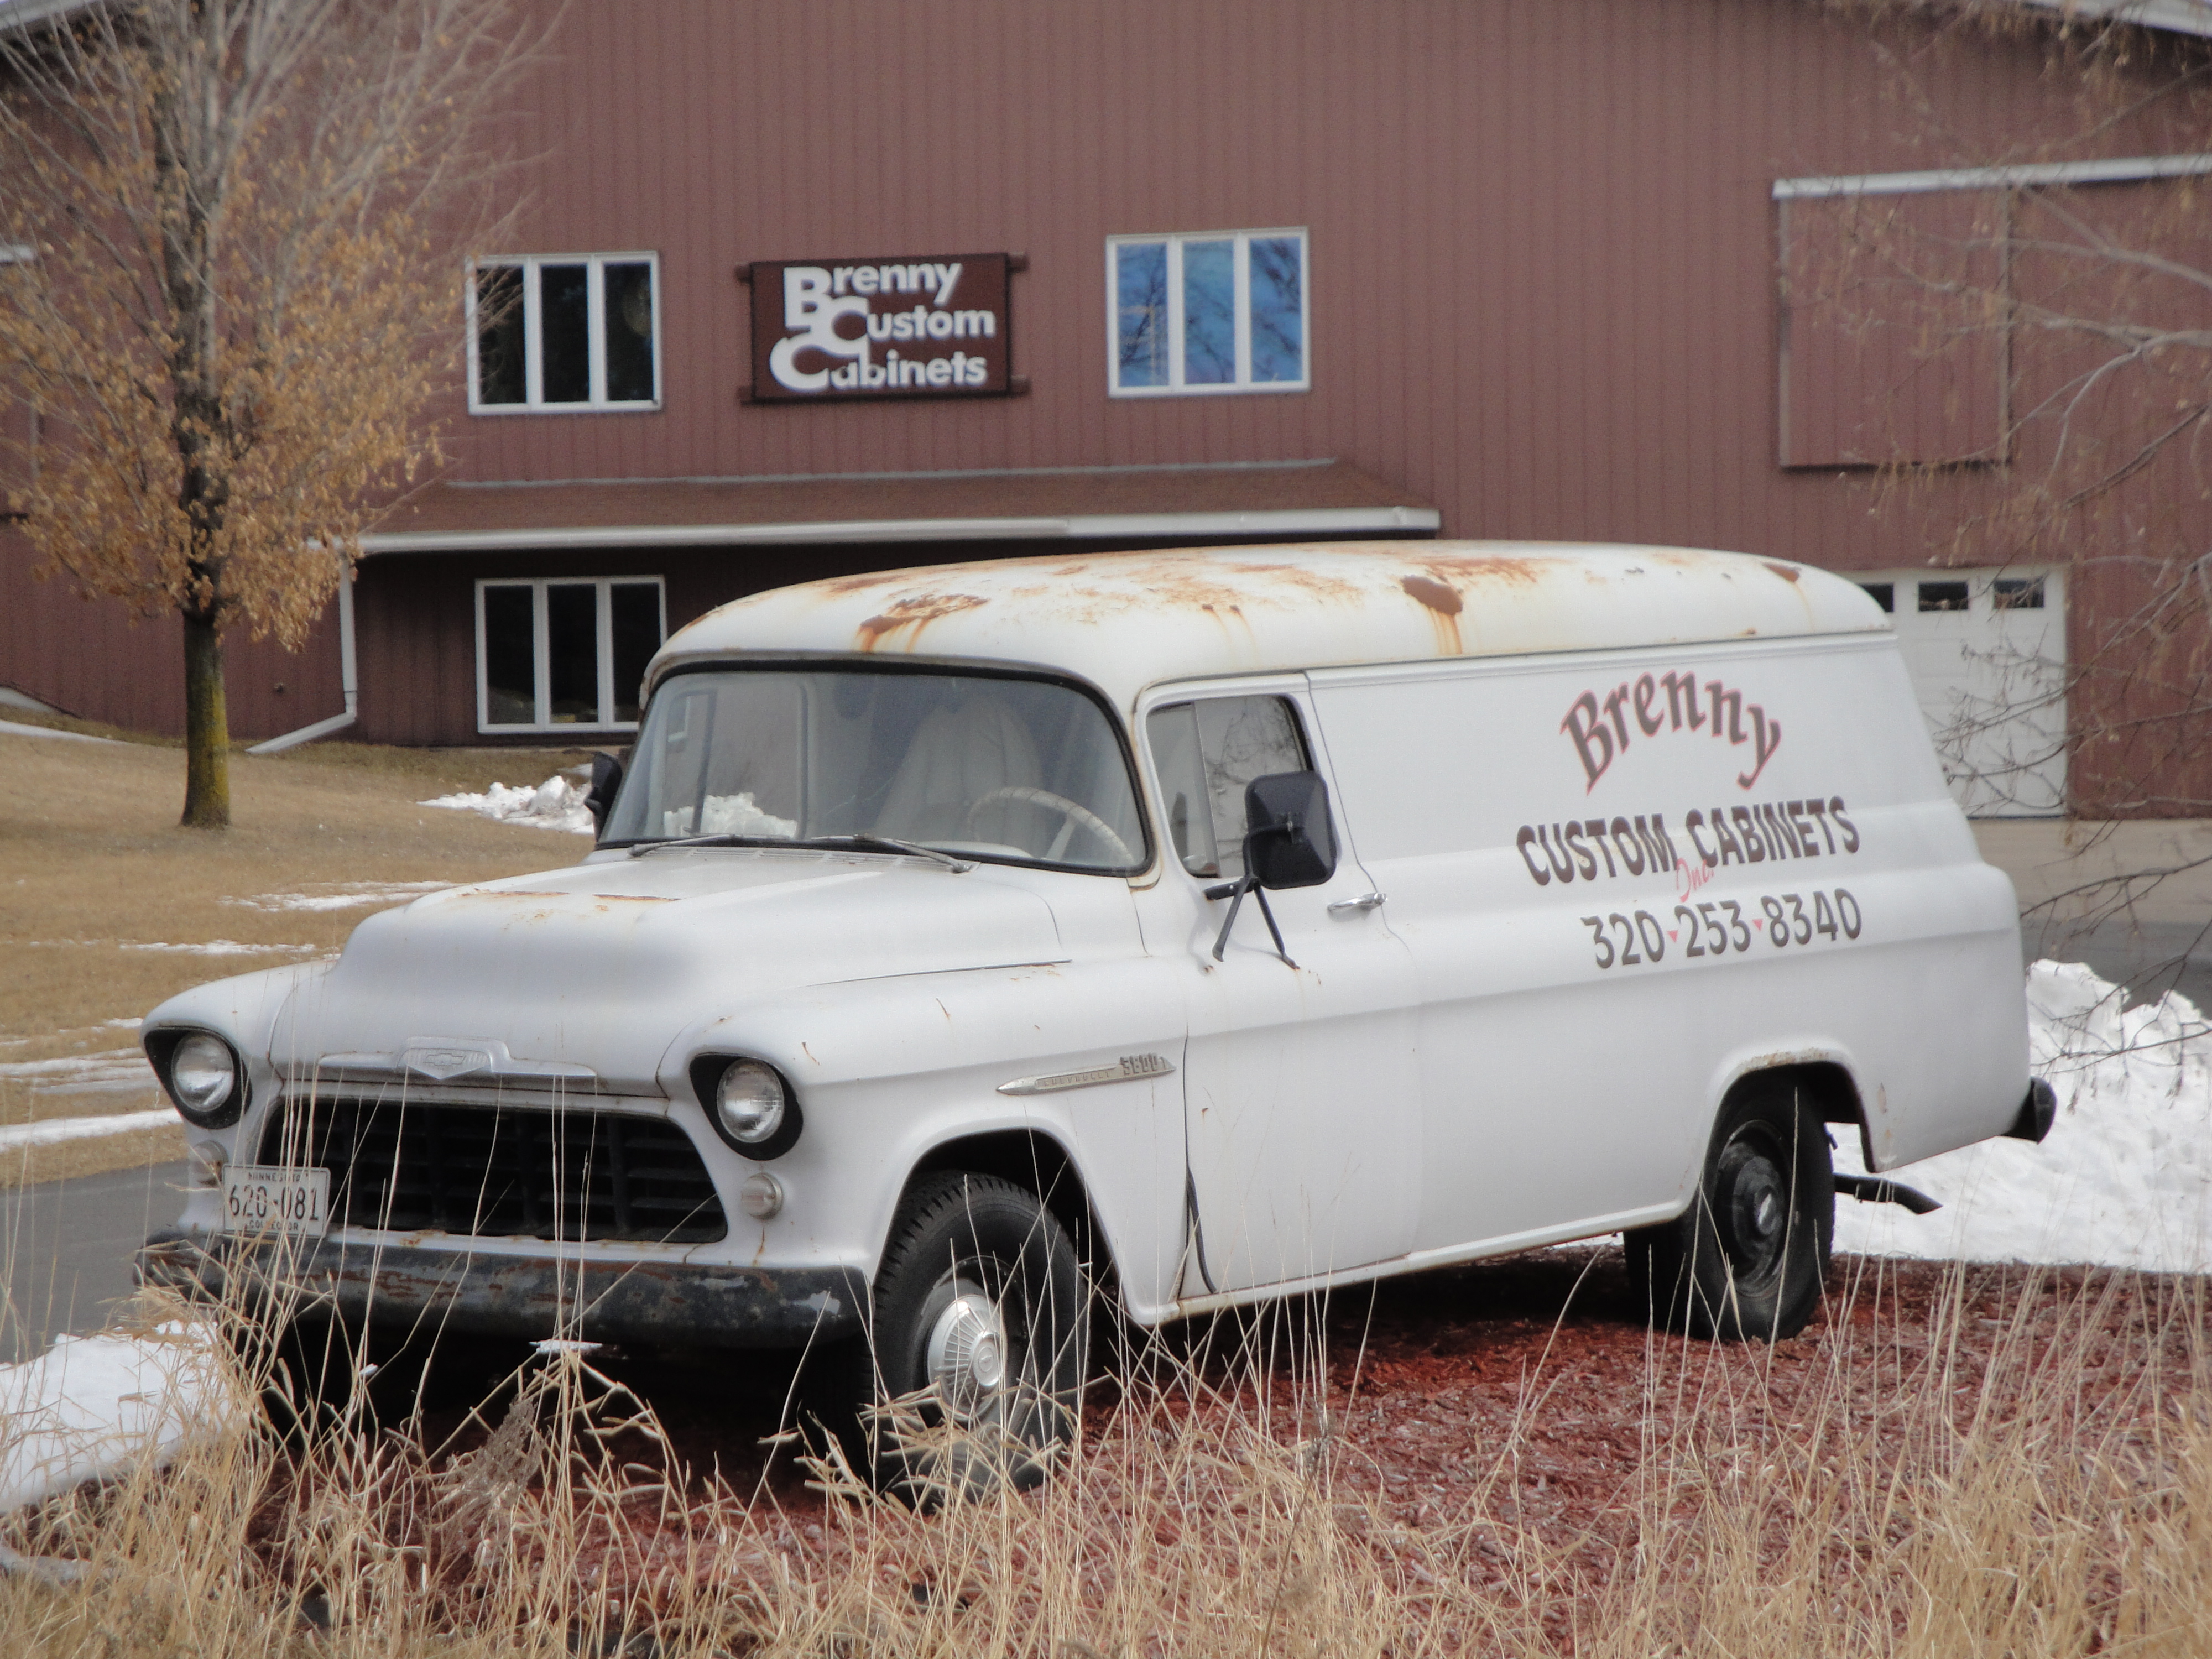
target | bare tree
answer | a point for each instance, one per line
(2054, 321)
(245, 221)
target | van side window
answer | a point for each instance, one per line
(1206, 752)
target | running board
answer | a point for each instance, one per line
(1873, 1189)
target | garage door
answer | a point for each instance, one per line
(1987, 652)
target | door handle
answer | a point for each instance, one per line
(1353, 906)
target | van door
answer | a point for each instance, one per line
(1556, 1101)
(1299, 1086)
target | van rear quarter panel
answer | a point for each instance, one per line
(1599, 962)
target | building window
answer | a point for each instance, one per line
(566, 653)
(1222, 312)
(563, 333)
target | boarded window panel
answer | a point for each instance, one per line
(1894, 348)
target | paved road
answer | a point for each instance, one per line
(67, 1247)
(2149, 957)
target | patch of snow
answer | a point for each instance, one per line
(91, 1405)
(2123, 1179)
(224, 947)
(728, 814)
(48, 1131)
(111, 1071)
(16, 729)
(344, 895)
(124, 1024)
(556, 804)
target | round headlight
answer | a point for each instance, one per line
(749, 1101)
(203, 1074)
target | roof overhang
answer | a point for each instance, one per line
(1265, 501)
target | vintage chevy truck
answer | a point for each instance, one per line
(1190, 928)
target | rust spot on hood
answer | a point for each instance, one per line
(1788, 573)
(1526, 571)
(916, 612)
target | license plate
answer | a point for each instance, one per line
(268, 1198)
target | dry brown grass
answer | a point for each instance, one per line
(92, 865)
(2059, 1506)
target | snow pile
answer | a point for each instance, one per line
(17, 729)
(2124, 1178)
(556, 804)
(729, 815)
(90, 1406)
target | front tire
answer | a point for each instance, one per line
(981, 1330)
(1747, 1262)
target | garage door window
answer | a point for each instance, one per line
(561, 655)
(1987, 650)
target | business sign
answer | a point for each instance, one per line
(932, 326)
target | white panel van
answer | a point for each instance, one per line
(1196, 926)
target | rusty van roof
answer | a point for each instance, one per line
(1125, 621)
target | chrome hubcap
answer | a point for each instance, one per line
(967, 1351)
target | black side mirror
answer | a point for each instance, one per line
(606, 778)
(1289, 840)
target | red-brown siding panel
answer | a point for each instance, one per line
(1894, 328)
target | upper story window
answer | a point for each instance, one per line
(1222, 312)
(558, 333)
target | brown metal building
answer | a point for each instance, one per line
(1255, 270)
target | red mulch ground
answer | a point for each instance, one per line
(1428, 1374)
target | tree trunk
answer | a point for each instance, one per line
(207, 728)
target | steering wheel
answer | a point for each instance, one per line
(1074, 811)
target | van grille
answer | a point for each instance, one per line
(501, 1171)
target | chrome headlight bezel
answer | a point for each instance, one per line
(199, 1105)
(709, 1073)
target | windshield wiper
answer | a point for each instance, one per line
(885, 843)
(867, 842)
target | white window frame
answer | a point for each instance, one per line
(1242, 281)
(533, 377)
(541, 652)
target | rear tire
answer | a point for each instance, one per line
(1749, 1260)
(982, 1327)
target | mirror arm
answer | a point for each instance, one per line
(1233, 891)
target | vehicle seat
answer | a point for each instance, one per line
(960, 755)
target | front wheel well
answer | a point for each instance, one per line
(1037, 1164)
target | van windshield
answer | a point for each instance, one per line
(985, 766)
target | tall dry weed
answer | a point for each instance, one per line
(2035, 1485)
